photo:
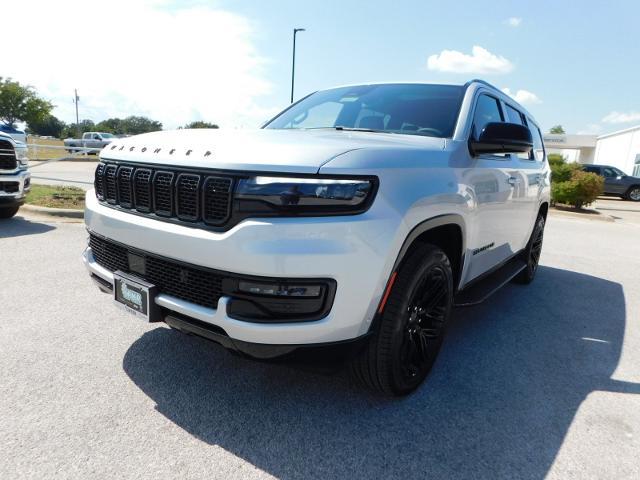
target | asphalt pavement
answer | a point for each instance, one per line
(539, 381)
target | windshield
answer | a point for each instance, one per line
(429, 110)
(107, 135)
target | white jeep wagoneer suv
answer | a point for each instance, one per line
(358, 217)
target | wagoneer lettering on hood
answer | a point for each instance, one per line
(293, 151)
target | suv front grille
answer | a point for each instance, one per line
(7, 156)
(168, 193)
(192, 284)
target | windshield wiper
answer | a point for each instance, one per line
(341, 128)
(358, 129)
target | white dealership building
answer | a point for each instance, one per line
(619, 149)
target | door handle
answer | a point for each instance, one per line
(513, 181)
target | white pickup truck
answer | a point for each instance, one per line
(89, 140)
(14, 177)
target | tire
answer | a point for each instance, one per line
(8, 212)
(400, 353)
(531, 254)
(633, 194)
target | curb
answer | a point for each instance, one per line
(592, 215)
(54, 212)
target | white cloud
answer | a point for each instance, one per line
(480, 61)
(622, 117)
(513, 21)
(174, 62)
(523, 96)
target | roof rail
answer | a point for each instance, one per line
(484, 82)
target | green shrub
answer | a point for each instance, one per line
(562, 172)
(580, 190)
(555, 159)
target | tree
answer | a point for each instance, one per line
(111, 125)
(128, 126)
(71, 130)
(557, 129)
(21, 103)
(49, 126)
(134, 125)
(201, 124)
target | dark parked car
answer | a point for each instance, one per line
(616, 182)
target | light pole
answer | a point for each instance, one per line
(293, 62)
(75, 100)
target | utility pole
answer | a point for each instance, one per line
(75, 100)
(293, 62)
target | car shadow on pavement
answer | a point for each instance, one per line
(498, 404)
(19, 227)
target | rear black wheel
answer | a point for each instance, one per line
(531, 254)
(404, 347)
(633, 194)
(8, 212)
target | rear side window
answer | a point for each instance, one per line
(611, 172)
(538, 146)
(487, 111)
(514, 116)
(592, 170)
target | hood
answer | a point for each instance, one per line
(6, 136)
(292, 151)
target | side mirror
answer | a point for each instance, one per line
(500, 137)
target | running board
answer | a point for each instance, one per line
(479, 291)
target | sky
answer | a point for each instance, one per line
(574, 63)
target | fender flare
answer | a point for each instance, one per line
(419, 229)
(430, 224)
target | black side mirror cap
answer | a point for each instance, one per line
(501, 137)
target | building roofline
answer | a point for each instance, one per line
(619, 132)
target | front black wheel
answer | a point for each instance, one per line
(404, 347)
(531, 254)
(8, 212)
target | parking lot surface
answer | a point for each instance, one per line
(539, 381)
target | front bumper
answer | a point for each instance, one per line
(355, 251)
(14, 187)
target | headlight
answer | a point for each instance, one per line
(300, 196)
(21, 155)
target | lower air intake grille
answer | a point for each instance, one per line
(192, 284)
(9, 187)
